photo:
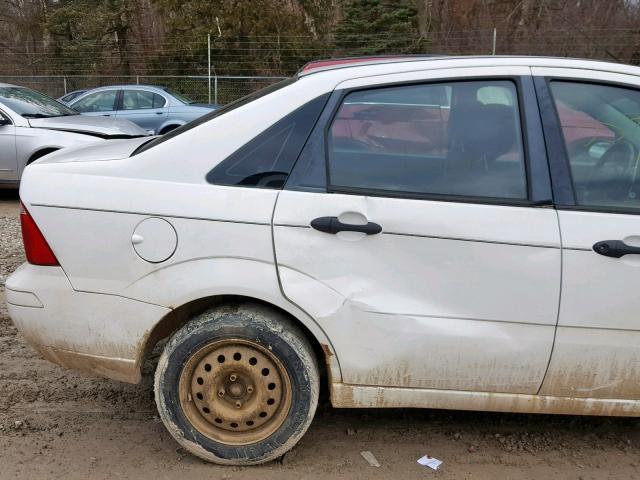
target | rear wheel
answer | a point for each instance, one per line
(237, 385)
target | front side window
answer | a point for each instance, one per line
(458, 138)
(601, 130)
(103, 101)
(141, 99)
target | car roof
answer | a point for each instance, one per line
(353, 66)
(134, 86)
(333, 63)
(10, 85)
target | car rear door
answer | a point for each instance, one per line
(592, 126)
(144, 108)
(8, 154)
(416, 230)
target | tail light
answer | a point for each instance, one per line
(36, 247)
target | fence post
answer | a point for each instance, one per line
(493, 44)
(64, 82)
(137, 79)
(209, 65)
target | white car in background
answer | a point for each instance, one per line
(457, 233)
(33, 125)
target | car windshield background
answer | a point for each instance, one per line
(32, 104)
(457, 139)
(601, 129)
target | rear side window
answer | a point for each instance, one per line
(141, 99)
(459, 138)
(267, 160)
(601, 129)
(103, 101)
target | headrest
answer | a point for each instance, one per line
(488, 130)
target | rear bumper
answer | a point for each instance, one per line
(121, 369)
(97, 333)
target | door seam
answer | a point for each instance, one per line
(281, 288)
(555, 331)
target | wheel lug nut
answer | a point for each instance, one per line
(238, 405)
(221, 393)
(233, 377)
(249, 389)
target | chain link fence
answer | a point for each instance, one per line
(201, 89)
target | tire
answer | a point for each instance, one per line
(219, 360)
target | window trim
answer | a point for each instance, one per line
(529, 201)
(118, 103)
(559, 162)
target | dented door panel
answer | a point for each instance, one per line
(442, 299)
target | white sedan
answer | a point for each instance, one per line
(454, 233)
(33, 125)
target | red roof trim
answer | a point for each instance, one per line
(318, 64)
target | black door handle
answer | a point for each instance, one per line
(334, 225)
(615, 248)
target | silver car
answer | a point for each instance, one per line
(156, 109)
(33, 125)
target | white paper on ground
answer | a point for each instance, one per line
(430, 462)
(370, 458)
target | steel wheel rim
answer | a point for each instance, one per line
(235, 391)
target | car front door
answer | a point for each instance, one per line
(8, 154)
(144, 108)
(425, 247)
(100, 103)
(592, 121)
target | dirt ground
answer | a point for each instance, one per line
(56, 423)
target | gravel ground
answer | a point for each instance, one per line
(11, 253)
(56, 423)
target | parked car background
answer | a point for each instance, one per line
(33, 125)
(156, 109)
